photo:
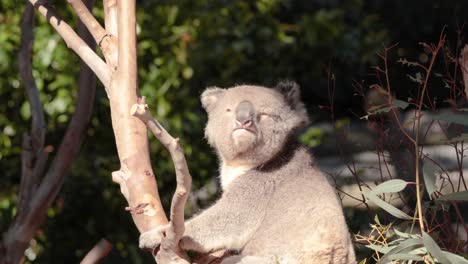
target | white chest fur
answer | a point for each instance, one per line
(230, 173)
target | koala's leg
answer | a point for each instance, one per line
(220, 227)
(230, 223)
(239, 259)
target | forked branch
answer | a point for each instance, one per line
(35, 198)
(74, 42)
(169, 251)
(88, 20)
(33, 156)
(106, 40)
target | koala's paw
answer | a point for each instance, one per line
(151, 239)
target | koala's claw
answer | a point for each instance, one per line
(151, 239)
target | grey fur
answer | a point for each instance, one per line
(276, 206)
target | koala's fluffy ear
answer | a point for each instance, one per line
(210, 96)
(292, 94)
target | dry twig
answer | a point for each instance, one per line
(169, 250)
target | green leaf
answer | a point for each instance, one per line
(390, 186)
(399, 103)
(402, 234)
(405, 256)
(418, 78)
(430, 177)
(384, 109)
(454, 258)
(404, 247)
(456, 196)
(433, 248)
(381, 249)
(461, 119)
(376, 219)
(388, 207)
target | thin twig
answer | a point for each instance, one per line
(435, 51)
(98, 252)
(169, 245)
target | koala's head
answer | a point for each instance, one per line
(248, 125)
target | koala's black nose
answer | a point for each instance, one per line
(245, 113)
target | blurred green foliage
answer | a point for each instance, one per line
(183, 47)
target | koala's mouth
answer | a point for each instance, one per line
(244, 139)
(240, 130)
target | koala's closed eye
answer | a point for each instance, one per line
(267, 115)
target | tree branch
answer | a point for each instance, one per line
(464, 68)
(17, 238)
(32, 153)
(135, 177)
(169, 250)
(38, 127)
(110, 16)
(88, 20)
(74, 42)
(98, 252)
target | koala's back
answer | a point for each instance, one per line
(303, 220)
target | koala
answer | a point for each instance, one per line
(276, 205)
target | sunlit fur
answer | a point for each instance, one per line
(276, 205)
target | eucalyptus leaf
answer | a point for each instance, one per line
(402, 234)
(434, 249)
(454, 258)
(381, 249)
(388, 207)
(405, 256)
(456, 196)
(430, 177)
(404, 247)
(376, 219)
(364, 261)
(399, 103)
(379, 110)
(390, 186)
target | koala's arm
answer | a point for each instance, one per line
(228, 224)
